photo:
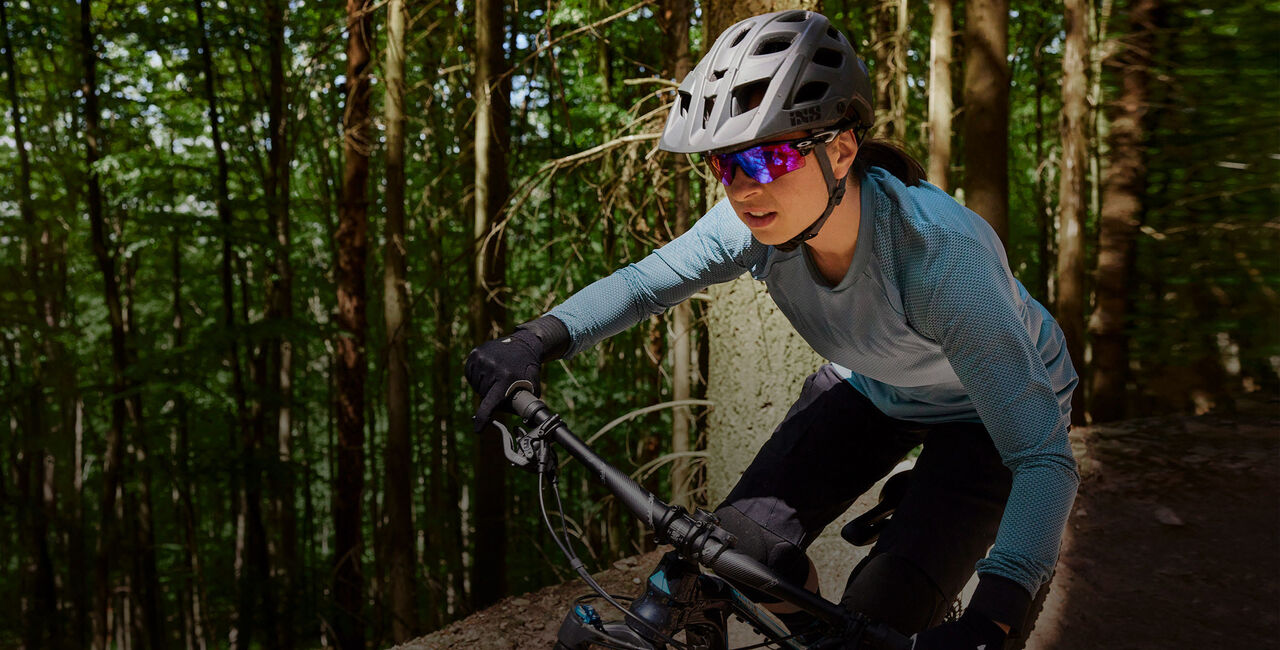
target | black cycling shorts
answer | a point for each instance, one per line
(832, 446)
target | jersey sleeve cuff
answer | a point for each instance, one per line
(553, 334)
(1002, 600)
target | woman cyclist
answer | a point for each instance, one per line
(908, 295)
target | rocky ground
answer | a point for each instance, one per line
(1174, 542)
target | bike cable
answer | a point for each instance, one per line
(581, 568)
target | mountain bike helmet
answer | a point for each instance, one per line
(804, 72)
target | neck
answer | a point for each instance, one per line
(832, 249)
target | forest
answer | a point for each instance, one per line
(246, 246)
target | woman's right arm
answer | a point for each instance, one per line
(717, 248)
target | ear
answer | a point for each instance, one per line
(842, 151)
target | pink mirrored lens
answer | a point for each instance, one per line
(764, 163)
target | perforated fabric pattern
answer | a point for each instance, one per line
(965, 298)
(717, 248)
(929, 323)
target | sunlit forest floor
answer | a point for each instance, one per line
(1172, 544)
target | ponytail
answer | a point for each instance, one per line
(891, 157)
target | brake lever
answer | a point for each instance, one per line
(529, 450)
(519, 451)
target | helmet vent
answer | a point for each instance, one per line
(831, 31)
(748, 96)
(741, 35)
(810, 92)
(707, 104)
(794, 17)
(685, 100)
(773, 46)
(717, 75)
(828, 57)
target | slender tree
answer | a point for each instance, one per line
(279, 350)
(492, 90)
(1123, 194)
(884, 48)
(39, 609)
(674, 16)
(108, 550)
(351, 238)
(940, 94)
(191, 594)
(986, 112)
(398, 452)
(246, 494)
(1071, 295)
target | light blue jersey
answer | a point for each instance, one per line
(929, 323)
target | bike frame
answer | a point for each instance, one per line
(678, 595)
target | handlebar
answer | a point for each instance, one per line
(697, 536)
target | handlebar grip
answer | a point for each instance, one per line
(740, 568)
(882, 636)
(524, 403)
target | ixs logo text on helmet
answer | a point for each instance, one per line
(806, 115)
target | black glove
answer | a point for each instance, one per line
(496, 365)
(972, 632)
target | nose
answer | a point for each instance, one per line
(743, 187)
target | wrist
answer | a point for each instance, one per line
(1001, 601)
(551, 334)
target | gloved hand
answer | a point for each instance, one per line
(496, 365)
(972, 632)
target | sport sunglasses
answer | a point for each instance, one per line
(767, 162)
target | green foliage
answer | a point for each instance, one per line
(1205, 281)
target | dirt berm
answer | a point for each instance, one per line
(1174, 542)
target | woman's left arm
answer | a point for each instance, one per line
(968, 301)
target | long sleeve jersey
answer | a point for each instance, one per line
(929, 323)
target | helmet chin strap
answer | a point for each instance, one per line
(835, 193)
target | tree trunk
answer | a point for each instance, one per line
(1123, 193)
(493, 111)
(146, 589)
(348, 587)
(883, 50)
(901, 41)
(986, 112)
(108, 550)
(756, 360)
(243, 495)
(284, 564)
(940, 94)
(445, 492)
(39, 610)
(1072, 295)
(398, 453)
(36, 581)
(674, 17)
(192, 596)
(720, 14)
(1044, 211)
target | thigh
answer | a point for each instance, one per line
(831, 447)
(951, 512)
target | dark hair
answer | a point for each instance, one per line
(891, 157)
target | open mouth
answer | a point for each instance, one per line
(757, 219)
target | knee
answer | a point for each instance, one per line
(892, 589)
(784, 557)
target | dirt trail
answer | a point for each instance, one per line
(1175, 538)
(1174, 543)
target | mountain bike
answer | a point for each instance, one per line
(682, 606)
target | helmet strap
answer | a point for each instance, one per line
(835, 193)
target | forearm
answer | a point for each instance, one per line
(1029, 538)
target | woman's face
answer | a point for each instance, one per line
(777, 211)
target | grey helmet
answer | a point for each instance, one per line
(803, 68)
(807, 76)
